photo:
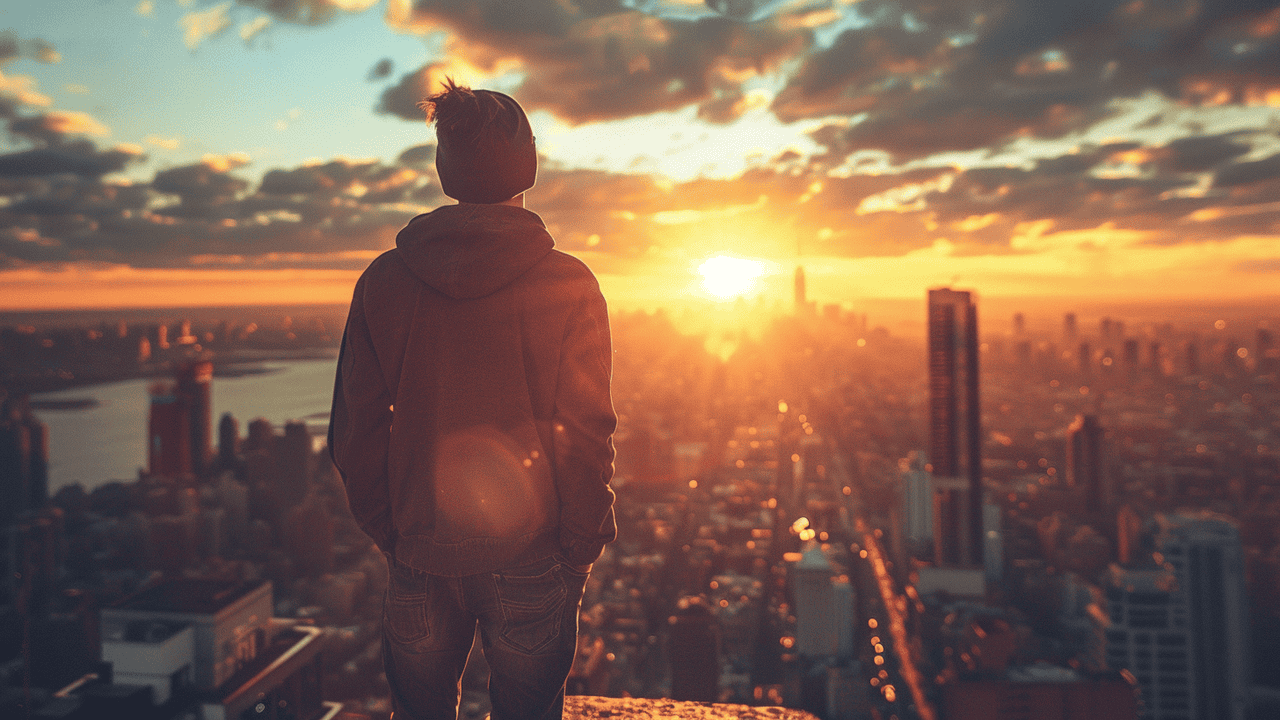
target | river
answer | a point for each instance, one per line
(95, 445)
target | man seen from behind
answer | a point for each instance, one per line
(472, 426)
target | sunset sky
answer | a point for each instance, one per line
(186, 152)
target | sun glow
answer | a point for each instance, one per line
(729, 277)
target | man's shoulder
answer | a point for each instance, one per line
(564, 266)
(388, 263)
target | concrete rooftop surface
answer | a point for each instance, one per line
(585, 707)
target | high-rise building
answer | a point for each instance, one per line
(917, 501)
(955, 424)
(195, 381)
(24, 459)
(1207, 556)
(293, 462)
(1086, 463)
(168, 435)
(695, 652)
(1182, 629)
(801, 297)
(180, 426)
(1069, 326)
(1264, 348)
(824, 607)
(1148, 636)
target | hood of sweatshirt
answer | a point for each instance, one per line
(468, 251)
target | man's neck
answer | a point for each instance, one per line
(517, 201)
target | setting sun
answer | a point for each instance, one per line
(729, 277)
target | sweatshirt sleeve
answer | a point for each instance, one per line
(360, 427)
(583, 424)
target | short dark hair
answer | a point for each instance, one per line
(458, 108)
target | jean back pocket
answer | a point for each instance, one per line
(532, 607)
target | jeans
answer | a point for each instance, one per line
(528, 619)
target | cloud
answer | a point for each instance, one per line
(1201, 153)
(75, 158)
(51, 127)
(251, 29)
(601, 60)
(12, 47)
(308, 12)
(167, 143)
(381, 70)
(1248, 173)
(21, 90)
(932, 77)
(199, 25)
(145, 8)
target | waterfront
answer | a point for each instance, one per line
(95, 445)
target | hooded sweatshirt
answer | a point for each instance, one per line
(472, 423)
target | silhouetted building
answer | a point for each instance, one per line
(917, 501)
(24, 460)
(293, 456)
(1028, 696)
(1069, 326)
(1268, 355)
(801, 294)
(824, 607)
(955, 424)
(260, 438)
(1130, 354)
(194, 389)
(1084, 358)
(695, 652)
(1086, 463)
(168, 435)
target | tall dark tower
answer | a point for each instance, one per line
(802, 296)
(168, 433)
(955, 430)
(195, 392)
(1085, 463)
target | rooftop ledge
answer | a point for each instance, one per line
(581, 707)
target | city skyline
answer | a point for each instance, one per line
(198, 153)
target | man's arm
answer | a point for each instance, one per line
(360, 427)
(583, 424)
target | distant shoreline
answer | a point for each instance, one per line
(239, 363)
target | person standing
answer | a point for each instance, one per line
(472, 426)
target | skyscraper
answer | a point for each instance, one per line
(1182, 629)
(1086, 471)
(169, 435)
(955, 430)
(802, 297)
(195, 392)
(917, 501)
(1208, 559)
(180, 435)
